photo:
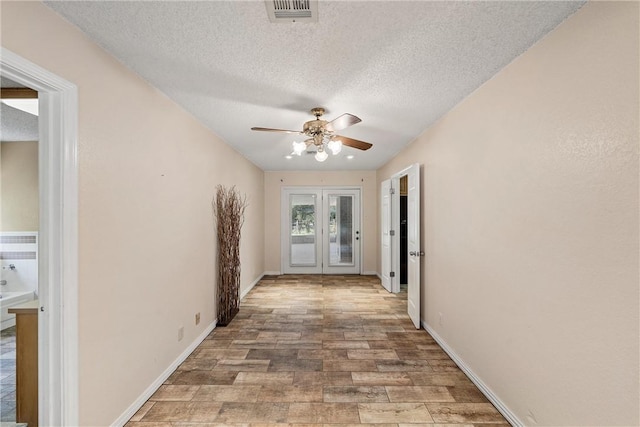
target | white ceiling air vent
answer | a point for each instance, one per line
(292, 10)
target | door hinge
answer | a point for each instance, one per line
(392, 232)
(392, 274)
(392, 190)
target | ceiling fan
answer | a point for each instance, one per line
(322, 135)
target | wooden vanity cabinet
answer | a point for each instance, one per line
(26, 362)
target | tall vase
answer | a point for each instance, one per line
(229, 209)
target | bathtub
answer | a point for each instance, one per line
(9, 299)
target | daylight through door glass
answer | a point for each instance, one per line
(341, 233)
(303, 230)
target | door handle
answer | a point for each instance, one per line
(413, 253)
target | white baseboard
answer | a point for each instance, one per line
(279, 273)
(255, 282)
(137, 404)
(489, 394)
(272, 273)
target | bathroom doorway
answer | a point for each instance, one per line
(19, 229)
(404, 244)
(400, 237)
(57, 336)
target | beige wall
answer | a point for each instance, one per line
(273, 183)
(19, 186)
(530, 224)
(147, 174)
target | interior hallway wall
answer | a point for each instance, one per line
(19, 186)
(147, 175)
(530, 224)
(275, 180)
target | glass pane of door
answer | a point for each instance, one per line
(341, 236)
(341, 232)
(303, 236)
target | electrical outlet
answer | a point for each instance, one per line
(197, 318)
(180, 333)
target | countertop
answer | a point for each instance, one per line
(30, 307)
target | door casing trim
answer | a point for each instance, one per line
(395, 225)
(58, 261)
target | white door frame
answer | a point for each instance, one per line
(386, 227)
(390, 256)
(320, 249)
(58, 261)
(395, 224)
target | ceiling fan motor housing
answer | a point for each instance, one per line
(315, 127)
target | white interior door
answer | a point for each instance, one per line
(385, 219)
(321, 230)
(413, 240)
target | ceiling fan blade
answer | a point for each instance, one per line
(354, 143)
(341, 122)
(275, 130)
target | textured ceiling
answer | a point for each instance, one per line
(16, 125)
(399, 66)
(8, 83)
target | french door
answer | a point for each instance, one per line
(321, 230)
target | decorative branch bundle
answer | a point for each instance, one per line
(228, 208)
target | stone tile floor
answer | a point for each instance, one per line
(318, 351)
(8, 375)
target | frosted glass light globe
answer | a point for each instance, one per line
(298, 148)
(321, 156)
(335, 145)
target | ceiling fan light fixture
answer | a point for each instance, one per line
(335, 145)
(321, 135)
(298, 148)
(321, 155)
